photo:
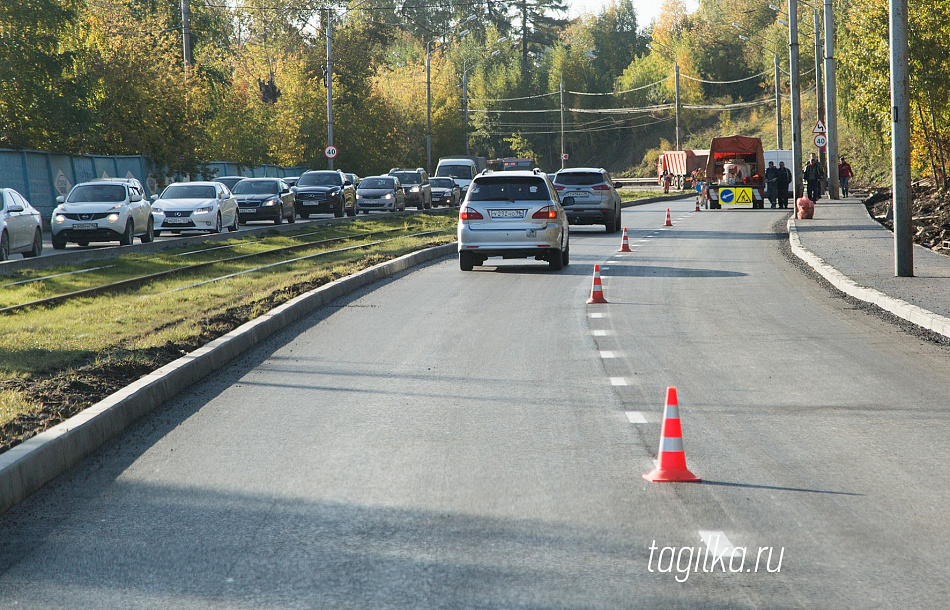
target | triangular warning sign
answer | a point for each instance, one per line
(819, 127)
(744, 196)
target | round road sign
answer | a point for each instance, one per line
(820, 140)
(564, 156)
(330, 151)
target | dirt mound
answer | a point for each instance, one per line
(930, 212)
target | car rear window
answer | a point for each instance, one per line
(579, 178)
(462, 172)
(442, 183)
(499, 188)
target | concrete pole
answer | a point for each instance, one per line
(819, 93)
(428, 114)
(186, 33)
(796, 90)
(831, 102)
(563, 160)
(778, 102)
(465, 102)
(329, 85)
(676, 72)
(900, 140)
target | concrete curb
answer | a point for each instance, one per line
(30, 465)
(634, 202)
(902, 309)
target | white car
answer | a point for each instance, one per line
(195, 206)
(21, 227)
(513, 214)
(103, 210)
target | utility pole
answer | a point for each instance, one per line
(831, 102)
(428, 115)
(900, 138)
(186, 33)
(822, 156)
(563, 152)
(329, 85)
(778, 101)
(796, 90)
(465, 99)
(676, 80)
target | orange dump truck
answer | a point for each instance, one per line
(680, 164)
(735, 173)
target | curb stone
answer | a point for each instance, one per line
(33, 463)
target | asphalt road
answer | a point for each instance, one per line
(468, 440)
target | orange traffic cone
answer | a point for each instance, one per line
(668, 223)
(697, 204)
(671, 461)
(624, 244)
(597, 290)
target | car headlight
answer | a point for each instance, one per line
(415, 189)
(205, 210)
(388, 196)
(270, 202)
(157, 210)
(113, 218)
(60, 219)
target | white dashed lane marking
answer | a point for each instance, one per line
(717, 543)
(599, 333)
(606, 355)
(636, 417)
(618, 381)
(597, 315)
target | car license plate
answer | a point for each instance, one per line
(248, 210)
(576, 194)
(88, 226)
(177, 221)
(506, 213)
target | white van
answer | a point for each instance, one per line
(782, 155)
(460, 169)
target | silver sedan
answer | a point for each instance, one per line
(21, 227)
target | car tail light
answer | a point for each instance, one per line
(546, 212)
(601, 187)
(468, 213)
(558, 187)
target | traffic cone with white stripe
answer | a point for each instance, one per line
(597, 290)
(624, 244)
(669, 222)
(671, 461)
(697, 204)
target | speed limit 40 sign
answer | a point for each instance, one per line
(330, 152)
(821, 140)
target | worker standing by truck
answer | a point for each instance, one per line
(813, 178)
(771, 183)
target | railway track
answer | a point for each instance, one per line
(140, 280)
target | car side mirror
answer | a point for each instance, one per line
(15, 208)
(60, 199)
(567, 201)
(347, 183)
(155, 197)
(135, 197)
(285, 191)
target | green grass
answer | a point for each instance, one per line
(127, 329)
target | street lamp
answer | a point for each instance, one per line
(676, 72)
(429, 50)
(778, 84)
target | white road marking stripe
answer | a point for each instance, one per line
(618, 381)
(635, 417)
(605, 268)
(599, 333)
(597, 315)
(717, 543)
(607, 354)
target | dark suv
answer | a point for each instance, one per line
(416, 183)
(324, 191)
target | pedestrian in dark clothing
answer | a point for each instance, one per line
(844, 176)
(771, 183)
(813, 179)
(784, 179)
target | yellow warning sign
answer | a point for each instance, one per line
(735, 196)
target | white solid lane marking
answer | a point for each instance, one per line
(636, 417)
(717, 543)
(599, 333)
(618, 381)
(598, 315)
(607, 355)
(605, 268)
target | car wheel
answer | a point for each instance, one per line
(37, 248)
(280, 216)
(126, 239)
(157, 233)
(149, 235)
(4, 247)
(611, 224)
(59, 244)
(566, 255)
(466, 261)
(556, 260)
(217, 224)
(234, 224)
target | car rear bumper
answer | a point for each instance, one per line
(509, 243)
(588, 216)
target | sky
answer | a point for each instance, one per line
(647, 10)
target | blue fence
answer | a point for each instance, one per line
(42, 176)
